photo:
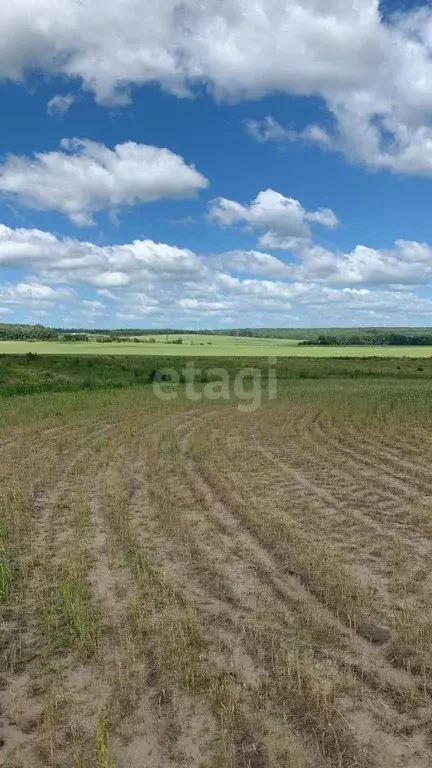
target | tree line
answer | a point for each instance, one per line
(384, 339)
(305, 336)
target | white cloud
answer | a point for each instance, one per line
(373, 71)
(252, 263)
(269, 129)
(284, 218)
(384, 141)
(199, 305)
(69, 260)
(111, 280)
(379, 142)
(34, 294)
(60, 104)
(92, 308)
(317, 134)
(408, 263)
(84, 177)
(156, 283)
(117, 269)
(324, 216)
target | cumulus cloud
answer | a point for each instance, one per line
(70, 260)
(252, 263)
(84, 177)
(34, 295)
(144, 262)
(408, 263)
(148, 282)
(384, 141)
(380, 143)
(59, 104)
(373, 71)
(285, 219)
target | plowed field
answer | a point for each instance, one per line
(184, 584)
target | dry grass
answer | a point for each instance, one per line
(188, 585)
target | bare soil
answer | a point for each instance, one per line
(199, 587)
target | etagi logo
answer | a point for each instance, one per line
(248, 388)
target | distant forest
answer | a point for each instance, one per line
(305, 336)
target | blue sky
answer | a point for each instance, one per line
(165, 164)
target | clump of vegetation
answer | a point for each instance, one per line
(18, 332)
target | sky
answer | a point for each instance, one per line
(218, 164)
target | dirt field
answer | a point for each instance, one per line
(183, 584)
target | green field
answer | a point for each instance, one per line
(33, 373)
(211, 346)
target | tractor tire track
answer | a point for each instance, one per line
(16, 737)
(288, 588)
